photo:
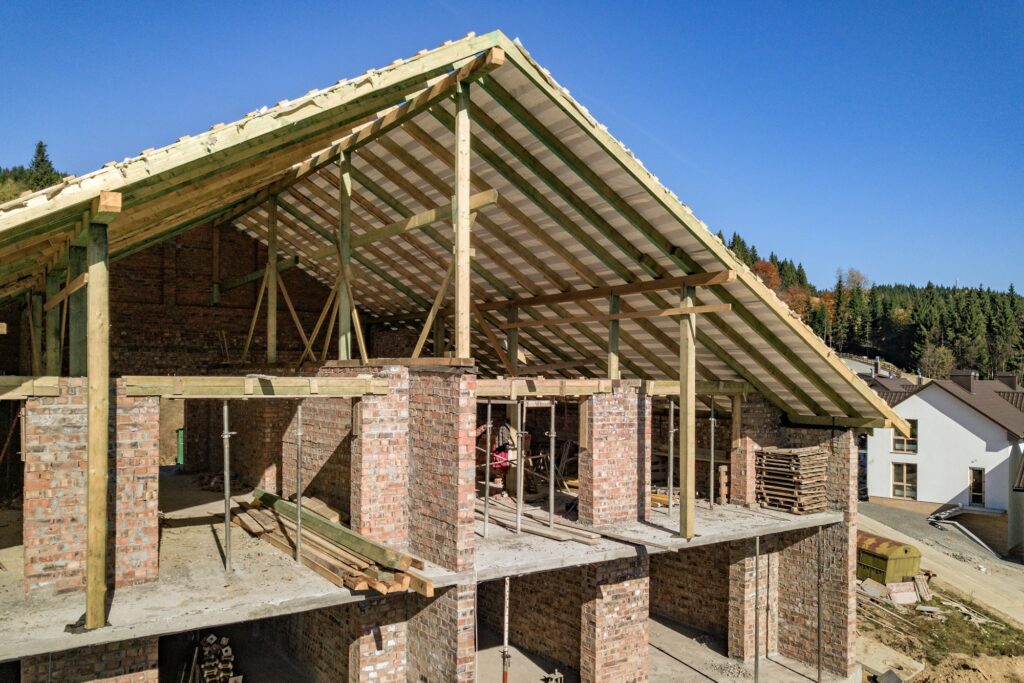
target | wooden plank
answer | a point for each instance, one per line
(54, 299)
(639, 287)
(442, 290)
(687, 417)
(105, 207)
(840, 421)
(291, 310)
(98, 365)
(380, 554)
(344, 244)
(542, 368)
(512, 339)
(422, 220)
(461, 224)
(35, 331)
(282, 265)
(632, 315)
(255, 316)
(272, 280)
(511, 388)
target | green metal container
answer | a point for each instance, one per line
(886, 560)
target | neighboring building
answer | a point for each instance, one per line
(964, 450)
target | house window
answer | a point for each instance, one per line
(904, 480)
(976, 487)
(905, 444)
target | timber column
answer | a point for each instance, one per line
(105, 209)
(460, 219)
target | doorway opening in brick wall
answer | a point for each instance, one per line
(13, 496)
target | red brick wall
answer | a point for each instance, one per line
(614, 465)
(56, 484)
(674, 577)
(442, 636)
(326, 451)
(391, 343)
(364, 641)
(614, 621)
(126, 661)
(162, 320)
(744, 593)
(544, 612)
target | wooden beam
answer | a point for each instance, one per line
(422, 220)
(736, 423)
(105, 208)
(77, 314)
(15, 388)
(461, 225)
(98, 368)
(282, 265)
(272, 282)
(614, 310)
(54, 279)
(344, 244)
(512, 339)
(839, 421)
(701, 388)
(632, 315)
(35, 321)
(639, 287)
(492, 340)
(516, 387)
(442, 290)
(541, 368)
(252, 386)
(687, 416)
(55, 298)
(3, 328)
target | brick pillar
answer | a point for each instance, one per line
(442, 631)
(378, 649)
(56, 464)
(742, 594)
(126, 661)
(380, 463)
(613, 624)
(614, 466)
(760, 427)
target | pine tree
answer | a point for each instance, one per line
(42, 174)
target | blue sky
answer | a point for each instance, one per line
(883, 136)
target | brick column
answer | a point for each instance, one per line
(380, 463)
(613, 625)
(760, 427)
(378, 649)
(126, 661)
(55, 489)
(742, 594)
(442, 644)
(614, 466)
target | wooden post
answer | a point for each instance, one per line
(77, 314)
(105, 209)
(344, 254)
(613, 339)
(439, 336)
(35, 321)
(54, 279)
(512, 339)
(687, 415)
(272, 281)
(461, 222)
(737, 421)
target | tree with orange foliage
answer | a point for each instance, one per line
(768, 273)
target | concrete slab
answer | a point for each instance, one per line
(683, 655)
(505, 553)
(193, 591)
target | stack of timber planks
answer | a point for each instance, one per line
(792, 479)
(534, 521)
(335, 552)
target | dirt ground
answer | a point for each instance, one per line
(965, 669)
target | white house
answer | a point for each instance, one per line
(965, 450)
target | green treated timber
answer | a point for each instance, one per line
(282, 265)
(336, 533)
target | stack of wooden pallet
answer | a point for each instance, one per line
(792, 479)
(335, 552)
